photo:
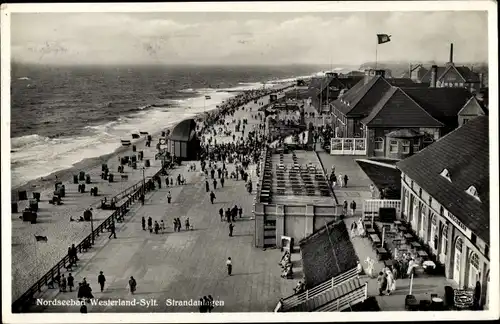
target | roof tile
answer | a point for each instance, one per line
(465, 154)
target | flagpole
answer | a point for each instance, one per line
(376, 54)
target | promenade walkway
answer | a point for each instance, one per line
(188, 264)
(31, 260)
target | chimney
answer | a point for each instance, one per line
(451, 53)
(434, 69)
(380, 73)
(481, 81)
(335, 75)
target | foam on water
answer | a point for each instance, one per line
(35, 156)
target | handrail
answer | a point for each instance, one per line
(26, 298)
(297, 299)
(345, 301)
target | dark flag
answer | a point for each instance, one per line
(383, 38)
(40, 238)
(208, 97)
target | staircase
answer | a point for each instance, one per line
(293, 301)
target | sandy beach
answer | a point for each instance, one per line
(30, 260)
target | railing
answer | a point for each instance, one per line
(371, 207)
(23, 302)
(346, 301)
(297, 299)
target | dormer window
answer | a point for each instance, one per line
(446, 174)
(473, 192)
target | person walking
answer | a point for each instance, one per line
(62, 283)
(157, 227)
(346, 178)
(231, 227)
(215, 184)
(353, 208)
(222, 182)
(71, 282)
(112, 230)
(150, 224)
(344, 207)
(162, 225)
(101, 280)
(240, 211)
(333, 179)
(143, 221)
(229, 265)
(221, 213)
(382, 283)
(169, 197)
(212, 197)
(187, 224)
(132, 284)
(340, 179)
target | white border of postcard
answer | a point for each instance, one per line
(489, 6)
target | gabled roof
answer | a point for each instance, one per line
(441, 103)
(327, 253)
(473, 102)
(465, 154)
(397, 109)
(401, 82)
(427, 75)
(361, 98)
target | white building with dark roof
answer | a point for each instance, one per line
(445, 197)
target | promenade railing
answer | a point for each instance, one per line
(294, 300)
(27, 299)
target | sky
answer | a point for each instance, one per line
(246, 37)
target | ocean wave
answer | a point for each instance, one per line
(20, 142)
(23, 78)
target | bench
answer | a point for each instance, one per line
(124, 177)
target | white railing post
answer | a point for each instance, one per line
(333, 283)
(338, 304)
(307, 294)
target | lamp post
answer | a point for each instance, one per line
(143, 181)
(91, 224)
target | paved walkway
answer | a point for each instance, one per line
(188, 264)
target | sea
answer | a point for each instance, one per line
(61, 115)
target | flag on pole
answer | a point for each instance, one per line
(208, 97)
(383, 38)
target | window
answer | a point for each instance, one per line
(406, 147)
(379, 144)
(428, 139)
(456, 84)
(461, 84)
(416, 145)
(446, 174)
(420, 192)
(444, 235)
(393, 148)
(474, 260)
(465, 121)
(473, 192)
(434, 234)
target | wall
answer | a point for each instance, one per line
(297, 221)
(469, 112)
(410, 192)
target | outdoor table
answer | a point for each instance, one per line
(367, 223)
(408, 236)
(381, 252)
(389, 263)
(370, 231)
(402, 228)
(397, 223)
(415, 245)
(422, 254)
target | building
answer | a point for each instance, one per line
(183, 141)
(293, 197)
(449, 75)
(377, 119)
(445, 198)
